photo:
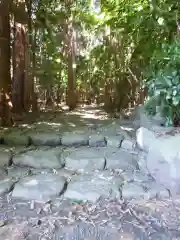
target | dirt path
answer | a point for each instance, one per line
(107, 219)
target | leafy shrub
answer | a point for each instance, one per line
(150, 105)
(163, 81)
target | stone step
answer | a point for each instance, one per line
(67, 139)
(83, 159)
(88, 184)
(88, 172)
(45, 185)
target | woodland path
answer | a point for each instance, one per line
(79, 176)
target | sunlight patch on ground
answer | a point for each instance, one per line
(26, 126)
(50, 124)
(127, 129)
(4, 128)
(89, 114)
(74, 113)
(71, 124)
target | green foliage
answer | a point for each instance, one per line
(150, 105)
(112, 46)
(164, 79)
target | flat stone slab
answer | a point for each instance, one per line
(60, 172)
(120, 159)
(3, 172)
(70, 139)
(65, 173)
(128, 144)
(40, 159)
(144, 190)
(136, 176)
(85, 159)
(16, 139)
(6, 185)
(114, 141)
(114, 129)
(36, 171)
(127, 176)
(17, 173)
(141, 177)
(90, 187)
(41, 187)
(5, 157)
(21, 149)
(96, 140)
(157, 191)
(133, 191)
(45, 139)
(142, 163)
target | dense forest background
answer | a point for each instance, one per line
(115, 53)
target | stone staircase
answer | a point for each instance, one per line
(80, 165)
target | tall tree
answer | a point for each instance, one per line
(69, 41)
(5, 56)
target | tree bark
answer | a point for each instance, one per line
(71, 95)
(19, 68)
(32, 48)
(5, 56)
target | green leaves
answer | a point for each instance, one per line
(176, 99)
(165, 80)
(123, 35)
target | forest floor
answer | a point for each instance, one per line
(78, 175)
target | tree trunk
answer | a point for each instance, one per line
(71, 96)
(49, 97)
(34, 95)
(27, 85)
(107, 98)
(71, 101)
(5, 56)
(19, 68)
(32, 49)
(59, 94)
